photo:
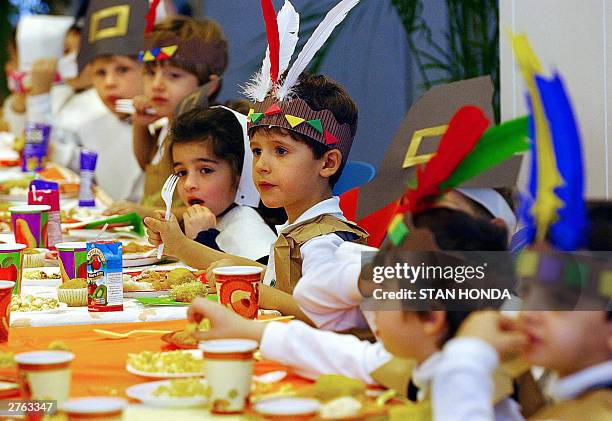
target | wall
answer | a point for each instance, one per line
(576, 41)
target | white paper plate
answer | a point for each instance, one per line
(144, 393)
(146, 294)
(157, 375)
(62, 307)
(287, 406)
(142, 261)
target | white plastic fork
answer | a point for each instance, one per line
(126, 106)
(166, 194)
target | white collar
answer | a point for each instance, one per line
(423, 374)
(571, 386)
(327, 206)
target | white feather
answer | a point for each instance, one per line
(333, 18)
(288, 21)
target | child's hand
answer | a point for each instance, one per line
(168, 232)
(198, 218)
(43, 74)
(498, 331)
(143, 116)
(123, 207)
(224, 323)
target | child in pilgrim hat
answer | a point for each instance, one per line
(180, 54)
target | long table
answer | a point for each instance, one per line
(99, 366)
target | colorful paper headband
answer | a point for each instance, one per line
(193, 51)
(588, 273)
(275, 102)
(465, 151)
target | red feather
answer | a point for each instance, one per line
(151, 16)
(273, 38)
(464, 131)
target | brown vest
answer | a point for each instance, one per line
(287, 256)
(595, 405)
(155, 176)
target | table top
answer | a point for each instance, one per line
(99, 365)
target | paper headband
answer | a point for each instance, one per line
(193, 51)
(298, 117)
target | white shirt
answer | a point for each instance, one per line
(570, 387)
(462, 396)
(327, 292)
(243, 232)
(313, 352)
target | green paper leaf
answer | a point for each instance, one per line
(316, 124)
(398, 233)
(255, 117)
(496, 145)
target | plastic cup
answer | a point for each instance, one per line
(73, 260)
(100, 408)
(11, 262)
(44, 375)
(238, 288)
(6, 289)
(30, 224)
(228, 366)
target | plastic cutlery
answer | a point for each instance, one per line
(166, 194)
(116, 335)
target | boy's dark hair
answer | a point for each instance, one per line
(322, 93)
(185, 28)
(216, 127)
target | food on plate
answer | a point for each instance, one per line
(15, 186)
(186, 293)
(332, 386)
(150, 279)
(172, 362)
(183, 388)
(40, 274)
(73, 292)
(134, 247)
(204, 325)
(343, 407)
(180, 276)
(21, 303)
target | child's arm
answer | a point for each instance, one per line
(177, 244)
(145, 145)
(463, 383)
(314, 352)
(272, 298)
(328, 290)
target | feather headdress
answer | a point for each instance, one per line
(275, 102)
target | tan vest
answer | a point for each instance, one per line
(595, 405)
(155, 176)
(287, 257)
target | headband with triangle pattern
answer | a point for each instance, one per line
(275, 100)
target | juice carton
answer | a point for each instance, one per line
(104, 276)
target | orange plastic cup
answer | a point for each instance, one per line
(238, 288)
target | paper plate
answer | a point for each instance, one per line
(146, 293)
(144, 393)
(62, 307)
(287, 406)
(160, 375)
(142, 261)
(45, 282)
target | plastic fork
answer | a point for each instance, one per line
(126, 106)
(166, 194)
(116, 335)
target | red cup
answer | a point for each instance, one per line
(6, 293)
(238, 289)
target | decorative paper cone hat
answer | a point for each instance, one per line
(113, 27)
(418, 137)
(275, 102)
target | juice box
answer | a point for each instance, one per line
(104, 276)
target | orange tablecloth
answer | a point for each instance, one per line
(99, 366)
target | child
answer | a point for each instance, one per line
(192, 53)
(576, 345)
(208, 152)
